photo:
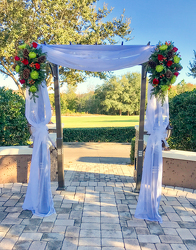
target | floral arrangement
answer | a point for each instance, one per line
(30, 65)
(164, 66)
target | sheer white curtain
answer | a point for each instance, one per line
(97, 58)
(157, 119)
(39, 197)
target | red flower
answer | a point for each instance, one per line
(25, 61)
(22, 81)
(17, 58)
(175, 49)
(155, 81)
(176, 74)
(37, 66)
(34, 45)
(169, 87)
(169, 63)
(160, 57)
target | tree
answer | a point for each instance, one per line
(192, 67)
(120, 94)
(180, 88)
(56, 22)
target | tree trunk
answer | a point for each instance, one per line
(128, 113)
(120, 112)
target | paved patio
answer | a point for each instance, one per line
(95, 212)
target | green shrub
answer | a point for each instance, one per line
(112, 134)
(183, 120)
(132, 153)
(13, 124)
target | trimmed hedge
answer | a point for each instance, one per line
(132, 152)
(13, 124)
(111, 134)
(183, 120)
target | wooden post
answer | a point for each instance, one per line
(139, 163)
(59, 139)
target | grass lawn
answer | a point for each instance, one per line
(98, 121)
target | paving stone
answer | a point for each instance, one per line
(95, 226)
(170, 224)
(15, 230)
(190, 244)
(25, 214)
(163, 247)
(147, 246)
(96, 242)
(90, 219)
(142, 231)
(136, 223)
(22, 245)
(148, 239)
(38, 245)
(185, 234)
(90, 248)
(64, 222)
(155, 229)
(178, 247)
(4, 228)
(54, 245)
(35, 221)
(111, 242)
(169, 239)
(170, 231)
(72, 231)
(45, 227)
(129, 232)
(70, 243)
(52, 236)
(188, 225)
(8, 243)
(89, 233)
(131, 244)
(11, 221)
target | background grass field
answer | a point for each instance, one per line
(98, 121)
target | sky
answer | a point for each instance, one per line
(154, 21)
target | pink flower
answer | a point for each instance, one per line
(17, 58)
(176, 74)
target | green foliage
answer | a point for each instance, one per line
(192, 67)
(180, 88)
(132, 153)
(182, 117)
(13, 124)
(56, 22)
(98, 134)
(120, 95)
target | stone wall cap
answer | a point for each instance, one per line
(180, 154)
(15, 150)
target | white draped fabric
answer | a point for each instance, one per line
(157, 119)
(39, 197)
(97, 58)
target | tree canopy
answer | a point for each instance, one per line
(120, 94)
(56, 22)
(192, 67)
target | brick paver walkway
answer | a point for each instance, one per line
(95, 212)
